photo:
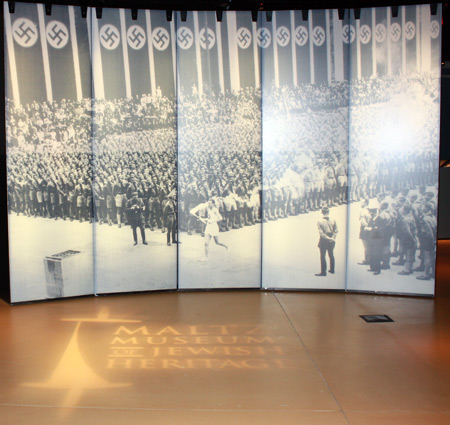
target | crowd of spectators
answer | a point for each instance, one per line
(83, 159)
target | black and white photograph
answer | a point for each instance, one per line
(219, 152)
(298, 151)
(134, 151)
(305, 151)
(49, 155)
(90, 212)
(394, 154)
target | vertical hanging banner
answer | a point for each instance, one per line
(219, 153)
(61, 52)
(319, 45)
(24, 49)
(248, 50)
(161, 47)
(110, 49)
(134, 146)
(282, 45)
(300, 35)
(342, 35)
(393, 167)
(190, 80)
(381, 38)
(209, 51)
(410, 39)
(137, 52)
(395, 41)
(264, 39)
(48, 153)
(365, 39)
(305, 144)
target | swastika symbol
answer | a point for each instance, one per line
(136, 37)
(24, 32)
(244, 37)
(57, 34)
(396, 31)
(318, 36)
(365, 34)
(207, 38)
(109, 36)
(435, 29)
(410, 30)
(301, 35)
(348, 34)
(185, 38)
(380, 33)
(283, 36)
(161, 39)
(263, 37)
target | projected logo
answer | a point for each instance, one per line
(263, 37)
(283, 36)
(301, 35)
(185, 38)
(24, 32)
(244, 38)
(109, 36)
(161, 38)
(318, 36)
(348, 34)
(207, 38)
(365, 34)
(435, 29)
(409, 30)
(380, 33)
(57, 34)
(72, 373)
(396, 32)
(136, 37)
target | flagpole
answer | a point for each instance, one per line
(76, 59)
(311, 49)
(151, 57)
(45, 60)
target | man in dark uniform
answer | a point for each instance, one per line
(135, 212)
(327, 231)
(170, 217)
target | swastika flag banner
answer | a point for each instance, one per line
(27, 81)
(110, 69)
(248, 50)
(162, 52)
(189, 72)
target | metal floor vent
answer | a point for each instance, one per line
(376, 318)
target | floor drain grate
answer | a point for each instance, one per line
(376, 318)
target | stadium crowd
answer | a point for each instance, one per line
(84, 160)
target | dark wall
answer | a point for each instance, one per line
(4, 270)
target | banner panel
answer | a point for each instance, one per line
(219, 147)
(134, 147)
(134, 150)
(393, 167)
(49, 154)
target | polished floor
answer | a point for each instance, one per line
(227, 357)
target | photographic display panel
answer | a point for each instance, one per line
(134, 147)
(286, 153)
(305, 151)
(219, 151)
(49, 153)
(394, 153)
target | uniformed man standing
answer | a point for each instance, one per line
(327, 231)
(135, 213)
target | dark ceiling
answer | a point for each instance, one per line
(267, 5)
